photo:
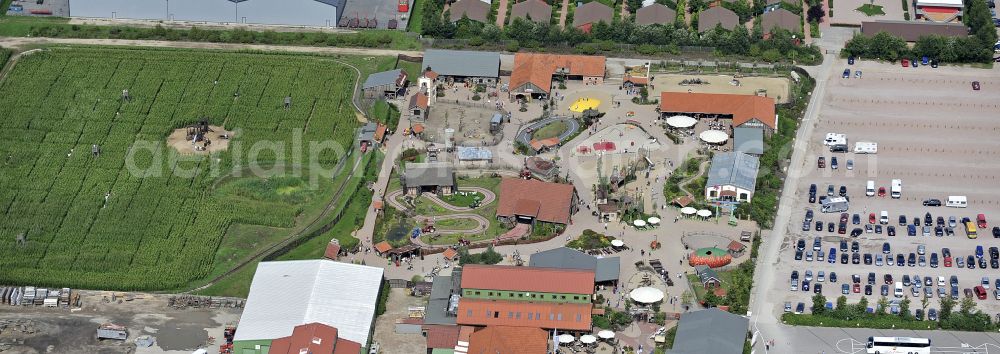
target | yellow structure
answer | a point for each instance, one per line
(583, 104)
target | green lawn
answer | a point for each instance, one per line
(456, 224)
(550, 130)
(462, 201)
(871, 10)
(416, 17)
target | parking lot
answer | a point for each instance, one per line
(934, 133)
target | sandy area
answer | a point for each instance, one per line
(777, 88)
(178, 140)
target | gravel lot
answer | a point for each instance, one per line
(937, 135)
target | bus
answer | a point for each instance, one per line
(898, 345)
(970, 229)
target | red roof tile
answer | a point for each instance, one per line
(418, 128)
(538, 69)
(555, 199)
(419, 101)
(441, 336)
(528, 279)
(380, 132)
(735, 246)
(509, 340)
(743, 107)
(527, 207)
(430, 74)
(450, 253)
(505, 313)
(316, 338)
(383, 247)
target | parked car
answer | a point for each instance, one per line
(801, 307)
(856, 219)
(857, 74)
(845, 289)
(932, 202)
(902, 220)
(975, 85)
(833, 162)
(890, 230)
(847, 74)
(850, 60)
(821, 162)
(932, 314)
(886, 248)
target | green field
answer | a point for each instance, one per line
(169, 220)
(550, 130)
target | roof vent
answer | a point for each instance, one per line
(317, 340)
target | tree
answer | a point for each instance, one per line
(862, 305)
(710, 299)
(815, 13)
(883, 305)
(904, 309)
(819, 304)
(842, 303)
(947, 304)
(644, 94)
(924, 301)
(966, 305)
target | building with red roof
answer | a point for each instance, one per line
(533, 72)
(526, 297)
(527, 201)
(314, 338)
(509, 340)
(748, 111)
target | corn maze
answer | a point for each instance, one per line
(69, 218)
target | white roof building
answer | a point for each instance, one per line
(290, 293)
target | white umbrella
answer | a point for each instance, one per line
(714, 136)
(639, 223)
(688, 210)
(566, 338)
(617, 243)
(606, 334)
(654, 220)
(587, 339)
(681, 121)
(704, 213)
(646, 295)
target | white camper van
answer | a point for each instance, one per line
(957, 201)
(870, 188)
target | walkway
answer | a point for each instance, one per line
(502, 13)
(394, 146)
(563, 13)
(701, 171)
(572, 125)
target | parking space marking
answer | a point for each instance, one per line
(850, 346)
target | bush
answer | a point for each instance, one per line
(589, 240)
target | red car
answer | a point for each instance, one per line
(947, 261)
(857, 288)
(981, 221)
(881, 191)
(871, 218)
(980, 292)
(905, 62)
(975, 85)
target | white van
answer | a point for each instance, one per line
(899, 289)
(870, 189)
(957, 201)
(863, 147)
(884, 219)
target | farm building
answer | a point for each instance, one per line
(781, 18)
(474, 155)
(434, 177)
(463, 66)
(527, 201)
(534, 10)
(748, 141)
(591, 13)
(313, 338)
(717, 16)
(286, 295)
(509, 339)
(418, 107)
(605, 269)
(942, 11)
(386, 84)
(476, 10)
(311, 13)
(732, 177)
(533, 73)
(911, 31)
(655, 14)
(748, 111)
(708, 277)
(515, 296)
(371, 135)
(711, 329)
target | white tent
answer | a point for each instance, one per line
(704, 213)
(606, 334)
(639, 223)
(617, 243)
(653, 220)
(714, 136)
(688, 210)
(646, 295)
(681, 121)
(587, 339)
(566, 338)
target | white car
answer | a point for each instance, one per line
(878, 260)
(940, 281)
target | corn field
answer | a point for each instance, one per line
(68, 218)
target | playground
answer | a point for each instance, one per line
(774, 87)
(584, 103)
(617, 139)
(470, 122)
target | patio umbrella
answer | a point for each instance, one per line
(566, 338)
(653, 220)
(639, 223)
(688, 210)
(714, 136)
(681, 121)
(704, 213)
(617, 243)
(646, 295)
(587, 339)
(606, 334)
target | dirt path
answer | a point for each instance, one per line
(563, 13)
(502, 13)
(20, 42)
(701, 171)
